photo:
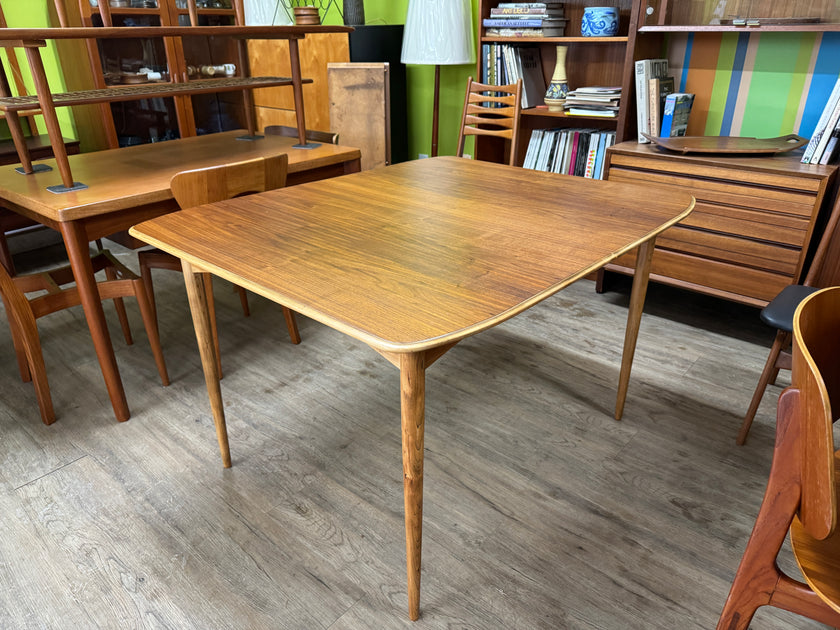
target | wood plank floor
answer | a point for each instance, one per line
(541, 511)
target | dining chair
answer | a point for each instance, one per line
(492, 110)
(801, 495)
(208, 185)
(327, 137)
(824, 271)
(52, 296)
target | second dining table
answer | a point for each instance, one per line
(128, 185)
(411, 259)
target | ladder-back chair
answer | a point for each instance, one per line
(492, 110)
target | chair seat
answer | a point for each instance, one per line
(819, 560)
(779, 312)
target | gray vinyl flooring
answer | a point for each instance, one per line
(541, 511)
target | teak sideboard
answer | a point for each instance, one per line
(749, 234)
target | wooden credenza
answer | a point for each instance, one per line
(750, 231)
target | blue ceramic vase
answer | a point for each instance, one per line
(599, 22)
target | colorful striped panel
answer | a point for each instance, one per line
(755, 84)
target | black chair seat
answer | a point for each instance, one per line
(779, 312)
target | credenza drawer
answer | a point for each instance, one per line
(752, 223)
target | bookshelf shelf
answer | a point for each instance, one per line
(542, 112)
(555, 40)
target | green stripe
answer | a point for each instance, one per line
(720, 88)
(800, 76)
(778, 70)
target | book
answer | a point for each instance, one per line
(645, 70)
(529, 63)
(529, 5)
(598, 170)
(675, 114)
(821, 124)
(599, 112)
(514, 32)
(658, 89)
(501, 11)
(831, 148)
(826, 134)
(533, 149)
(592, 155)
(581, 153)
(512, 23)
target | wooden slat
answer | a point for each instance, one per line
(148, 90)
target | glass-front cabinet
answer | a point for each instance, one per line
(132, 62)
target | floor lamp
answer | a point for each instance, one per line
(438, 33)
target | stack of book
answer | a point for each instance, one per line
(578, 152)
(603, 102)
(505, 63)
(526, 19)
(824, 145)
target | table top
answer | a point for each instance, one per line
(420, 254)
(128, 177)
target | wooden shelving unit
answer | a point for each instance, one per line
(590, 61)
(31, 40)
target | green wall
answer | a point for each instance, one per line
(420, 88)
(34, 14)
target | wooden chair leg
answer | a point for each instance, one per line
(20, 349)
(291, 324)
(757, 575)
(146, 276)
(243, 299)
(119, 305)
(767, 376)
(26, 339)
(150, 324)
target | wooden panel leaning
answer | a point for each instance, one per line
(22, 313)
(492, 110)
(208, 185)
(801, 493)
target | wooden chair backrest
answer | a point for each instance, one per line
(327, 137)
(815, 381)
(492, 110)
(217, 183)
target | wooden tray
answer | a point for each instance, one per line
(726, 144)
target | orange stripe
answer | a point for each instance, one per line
(701, 78)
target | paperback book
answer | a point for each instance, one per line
(675, 114)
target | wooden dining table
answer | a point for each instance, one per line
(131, 184)
(411, 259)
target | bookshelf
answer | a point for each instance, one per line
(590, 61)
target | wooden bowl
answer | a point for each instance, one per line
(307, 16)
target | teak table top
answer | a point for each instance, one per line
(410, 259)
(420, 254)
(124, 178)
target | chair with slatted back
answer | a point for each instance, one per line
(52, 296)
(492, 110)
(208, 185)
(801, 496)
(327, 137)
(823, 272)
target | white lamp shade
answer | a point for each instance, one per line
(438, 32)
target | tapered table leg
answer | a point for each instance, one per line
(634, 318)
(203, 332)
(412, 405)
(76, 242)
